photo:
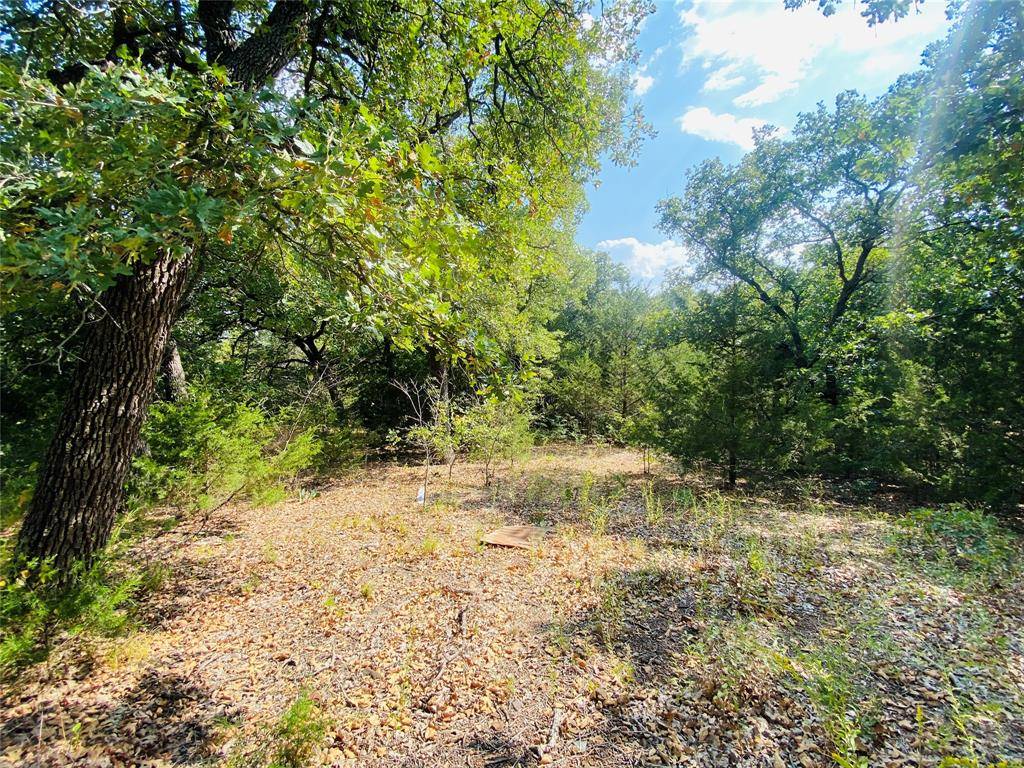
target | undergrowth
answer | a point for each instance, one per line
(37, 609)
(203, 453)
(199, 455)
(960, 545)
(292, 742)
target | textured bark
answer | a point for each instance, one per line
(272, 45)
(81, 487)
(173, 372)
(215, 19)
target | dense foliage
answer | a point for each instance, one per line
(854, 300)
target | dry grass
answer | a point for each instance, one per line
(662, 623)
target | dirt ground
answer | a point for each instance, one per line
(659, 622)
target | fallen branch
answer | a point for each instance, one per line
(556, 723)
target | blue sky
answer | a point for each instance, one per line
(711, 71)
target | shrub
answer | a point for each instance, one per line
(960, 543)
(496, 429)
(35, 607)
(201, 453)
(298, 734)
(292, 742)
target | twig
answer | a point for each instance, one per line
(328, 665)
(556, 723)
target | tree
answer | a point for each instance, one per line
(136, 156)
(963, 265)
(600, 378)
(823, 199)
(875, 11)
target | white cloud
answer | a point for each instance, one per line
(645, 261)
(726, 128)
(773, 49)
(642, 83)
(772, 88)
(724, 79)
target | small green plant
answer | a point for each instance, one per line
(738, 660)
(539, 491)
(654, 508)
(714, 523)
(684, 501)
(959, 544)
(829, 675)
(293, 742)
(269, 553)
(429, 545)
(252, 581)
(585, 491)
(623, 671)
(366, 590)
(334, 606)
(598, 516)
(561, 645)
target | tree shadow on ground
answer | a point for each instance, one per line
(186, 579)
(652, 706)
(161, 717)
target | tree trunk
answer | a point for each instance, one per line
(830, 392)
(321, 368)
(81, 487)
(173, 372)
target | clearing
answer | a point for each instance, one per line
(660, 622)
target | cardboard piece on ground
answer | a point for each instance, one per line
(522, 536)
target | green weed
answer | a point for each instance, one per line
(293, 742)
(585, 491)
(654, 508)
(598, 516)
(429, 546)
(829, 676)
(737, 661)
(958, 544)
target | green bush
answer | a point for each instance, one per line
(960, 543)
(292, 742)
(99, 600)
(202, 453)
(495, 429)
